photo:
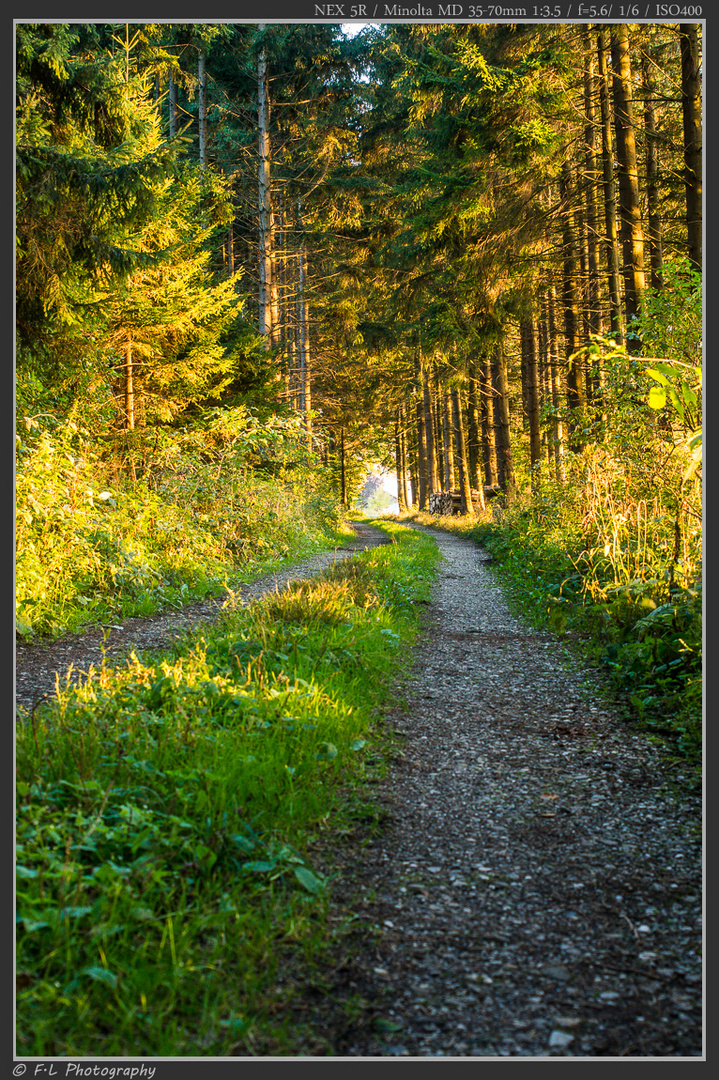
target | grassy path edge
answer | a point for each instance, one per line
(166, 811)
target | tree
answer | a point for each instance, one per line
(89, 156)
(691, 113)
(629, 204)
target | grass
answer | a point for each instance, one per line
(168, 810)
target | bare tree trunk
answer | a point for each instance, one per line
(410, 437)
(230, 250)
(421, 448)
(505, 464)
(403, 482)
(172, 106)
(432, 474)
(129, 388)
(654, 222)
(343, 469)
(304, 345)
(489, 440)
(265, 200)
(399, 462)
(474, 448)
(629, 205)
(691, 112)
(408, 481)
(460, 444)
(610, 193)
(590, 187)
(575, 389)
(448, 483)
(202, 105)
(530, 368)
(556, 382)
(130, 408)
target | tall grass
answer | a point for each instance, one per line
(169, 902)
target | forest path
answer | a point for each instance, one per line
(40, 663)
(536, 885)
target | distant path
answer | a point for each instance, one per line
(38, 664)
(535, 889)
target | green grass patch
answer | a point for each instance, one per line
(167, 812)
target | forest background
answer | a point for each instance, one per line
(254, 262)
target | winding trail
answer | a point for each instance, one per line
(536, 886)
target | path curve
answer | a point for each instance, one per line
(39, 664)
(536, 887)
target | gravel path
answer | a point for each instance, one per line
(536, 887)
(39, 664)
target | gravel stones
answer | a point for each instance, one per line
(527, 834)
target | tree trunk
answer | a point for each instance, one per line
(691, 113)
(473, 428)
(489, 440)
(399, 463)
(304, 346)
(129, 388)
(460, 444)
(556, 384)
(575, 389)
(654, 219)
(610, 194)
(172, 106)
(202, 105)
(432, 475)
(505, 465)
(530, 368)
(421, 449)
(590, 188)
(629, 205)
(545, 382)
(343, 469)
(265, 201)
(406, 468)
(412, 460)
(448, 484)
(231, 249)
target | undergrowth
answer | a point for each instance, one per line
(214, 504)
(167, 812)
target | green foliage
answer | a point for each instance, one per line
(217, 502)
(89, 156)
(166, 811)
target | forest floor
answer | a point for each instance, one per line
(535, 886)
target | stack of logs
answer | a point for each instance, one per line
(450, 502)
